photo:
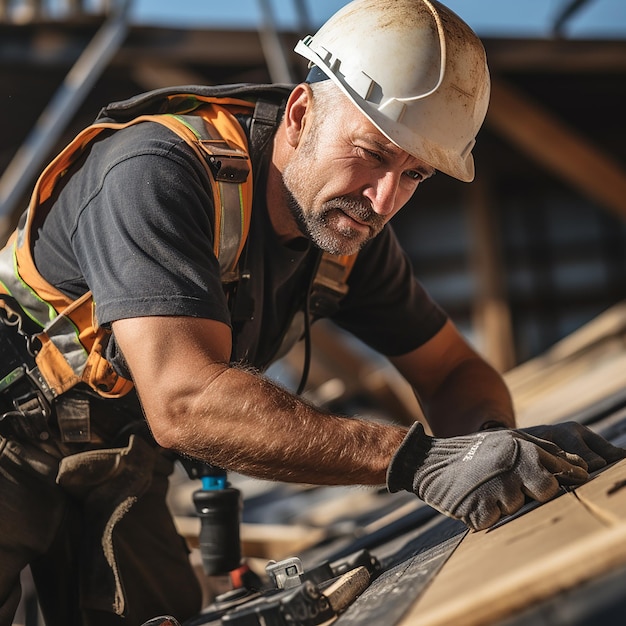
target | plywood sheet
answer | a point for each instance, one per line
(492, 574)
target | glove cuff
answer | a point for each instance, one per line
(409, 456)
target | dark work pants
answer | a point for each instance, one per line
(43, 526)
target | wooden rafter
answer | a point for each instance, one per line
(558, 148)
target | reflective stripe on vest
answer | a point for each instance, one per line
(231, 225)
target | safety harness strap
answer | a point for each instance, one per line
(330, 284)
(72, 343)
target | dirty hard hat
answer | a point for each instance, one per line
(415, 69)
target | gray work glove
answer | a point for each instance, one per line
(573, 437)
(480, 477)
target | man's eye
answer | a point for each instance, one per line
(415, 175)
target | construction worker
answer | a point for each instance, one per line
(140, 310)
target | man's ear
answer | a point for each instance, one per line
(298, 105)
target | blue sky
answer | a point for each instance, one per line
(518, 18)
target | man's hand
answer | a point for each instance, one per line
(573, 437)
(478, 478)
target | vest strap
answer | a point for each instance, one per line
(330, 284)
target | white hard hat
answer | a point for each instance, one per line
(415, 69)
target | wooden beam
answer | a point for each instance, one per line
(558, 148)
(491, 311)
(562, 56)
(155, 75)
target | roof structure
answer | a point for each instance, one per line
(523, 259)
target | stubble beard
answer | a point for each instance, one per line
(322, 225)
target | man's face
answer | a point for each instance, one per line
(346, 180)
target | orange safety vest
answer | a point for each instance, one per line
(72, 342)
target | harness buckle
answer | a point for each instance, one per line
(31, 415)
(229, 165)
(329, 285)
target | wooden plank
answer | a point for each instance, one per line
(493, 574)
(579, 372)
(605, 496)
(580, 386)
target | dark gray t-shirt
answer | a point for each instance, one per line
(134, 223)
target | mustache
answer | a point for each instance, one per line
(358, 209)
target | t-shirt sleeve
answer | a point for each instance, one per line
(144, 238)
(386, 306)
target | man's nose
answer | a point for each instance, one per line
(383, 194)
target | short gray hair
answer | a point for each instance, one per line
(326, 96)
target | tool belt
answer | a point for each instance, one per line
(25, 399)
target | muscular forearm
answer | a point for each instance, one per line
(243, 422)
